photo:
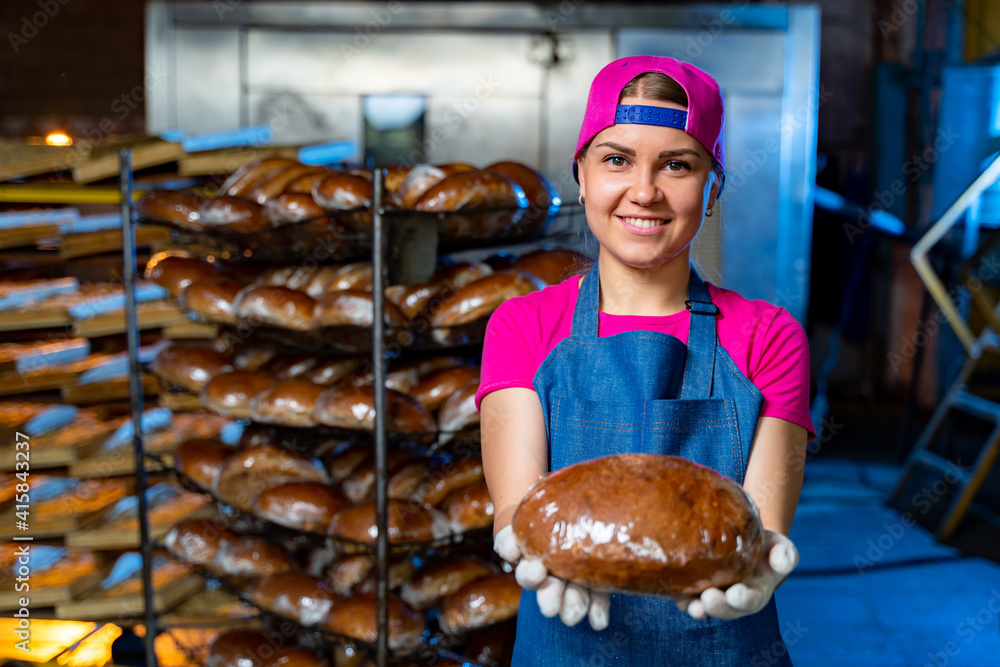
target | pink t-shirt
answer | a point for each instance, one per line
(767, 344)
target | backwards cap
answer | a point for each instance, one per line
(703, 120)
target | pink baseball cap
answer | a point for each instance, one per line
(704, 119)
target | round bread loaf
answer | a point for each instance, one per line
(201, 460)
(439, 580)
(276, 306)
(404, 376)
(406, 480)
(306, 506)
(481, 297)
(553, 266)
(198, 540)
(540, 193)
(484, 601)
(176, 207)
(343, 192)
(354, 574)
(188, 366)
(411, 299)
(349, 655)
(407, 523)
(395, 177)
(320, 282)
(238, 648)
(400, 571)
(289, 403)
(329, 372)
(679, 527)
(360, 484)
(278, 275)
(292, 207)
(291, 366)
(354, 308)
(350, 407)
(493, 645)
(434, 390)
(275, 183)
(448, 477)
(418, 181)
(353, 276)
(294, 595)
(472, 190)
(245, 178)
(174, 270)
(253, 357)
(355, 617)
(252, 557)
(304, 184)
(459, 411)
(469, 508)
(295, 657)
(248, 473)
(461, 274)
(423, 177)
(343, 462)
(229, 394)
(233, 215)
(212, 299)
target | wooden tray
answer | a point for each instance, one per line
(96, 243)
(23, 320)
(103, 392)
(191, 330)
(111, 537)
(120, 462)
(54, 457)
(153, 315)
(148, 153)
(51, 596)
(95, 607)
(27, 236)
(15, 383)
(59, 527)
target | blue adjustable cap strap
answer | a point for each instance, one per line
(699, 364)
(645, 115)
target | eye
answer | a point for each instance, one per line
(677, 165)
(616, 160)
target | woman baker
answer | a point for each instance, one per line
(641, 355)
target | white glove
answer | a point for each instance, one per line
(555, 596)
(751, 595)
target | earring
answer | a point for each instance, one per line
(582, 200)
(708, 213)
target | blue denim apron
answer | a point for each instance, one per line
(644, 391)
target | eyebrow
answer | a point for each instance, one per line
(663, 154)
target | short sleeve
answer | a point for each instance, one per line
(509, 351)
(781, 371)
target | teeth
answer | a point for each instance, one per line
(643, 222)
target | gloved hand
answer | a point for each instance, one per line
(750, 596)
(555, 596)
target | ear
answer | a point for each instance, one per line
(715, 190)
(579, 175)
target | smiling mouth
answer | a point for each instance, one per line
(643, 223)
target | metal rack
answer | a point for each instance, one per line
(382, 221)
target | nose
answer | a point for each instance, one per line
(644, 191)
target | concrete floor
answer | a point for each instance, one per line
(875, 588)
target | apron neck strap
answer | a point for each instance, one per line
(699, 363)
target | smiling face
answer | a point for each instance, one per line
(646, 188)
